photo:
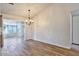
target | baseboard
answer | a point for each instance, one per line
(53, 44)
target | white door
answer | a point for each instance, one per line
(75, 30)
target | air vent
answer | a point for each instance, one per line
(11, 3)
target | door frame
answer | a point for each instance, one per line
(74, 13)
(71, 30)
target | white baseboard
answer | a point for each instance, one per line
(53, 44)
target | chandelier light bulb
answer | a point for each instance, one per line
(29, 21)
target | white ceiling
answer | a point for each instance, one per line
(20, 9)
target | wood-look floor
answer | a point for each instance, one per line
(35, 48)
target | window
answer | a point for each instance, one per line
(10, 30)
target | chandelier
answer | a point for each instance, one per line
(29, 21)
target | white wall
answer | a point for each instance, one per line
(30, 31)
(53, 25)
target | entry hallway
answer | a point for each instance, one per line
(35, 48)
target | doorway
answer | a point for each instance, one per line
(75, 32)
(13, 35)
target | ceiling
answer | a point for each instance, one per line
(20, 9)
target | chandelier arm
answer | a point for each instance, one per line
(29, 21)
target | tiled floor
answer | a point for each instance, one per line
(14, 46)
